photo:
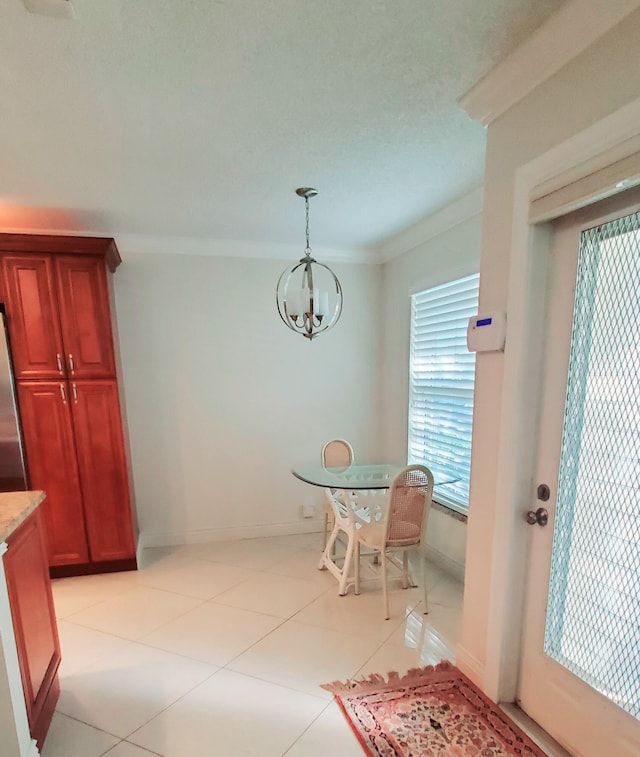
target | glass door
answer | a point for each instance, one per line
(580, 673)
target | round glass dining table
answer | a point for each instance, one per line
(371, 481)
(351, 477)
(359, 476)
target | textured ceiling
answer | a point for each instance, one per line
(199, 118)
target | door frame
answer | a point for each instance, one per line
(586, 153)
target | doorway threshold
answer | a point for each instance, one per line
(535, 732)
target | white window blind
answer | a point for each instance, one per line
(441, 379)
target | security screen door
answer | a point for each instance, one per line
(580, 671)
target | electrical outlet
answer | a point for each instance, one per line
(308, 510)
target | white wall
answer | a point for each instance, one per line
(222, 399)
(593, 85)
(452, 254)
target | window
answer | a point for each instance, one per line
(441, 378)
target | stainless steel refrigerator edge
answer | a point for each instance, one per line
(13, 474)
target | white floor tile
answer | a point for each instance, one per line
(70, 738)
(200, 579)
(447, 591)
(81, 646)
(121, 692)
(390, 658)
(74, 594)
(414, 644)
(361, 615)
(154, 557)
(418, 629)
(141, 651)
(231, 715)
(212, 633)
(253, 554)
(135, 612)
(125, 749)
(310, 542)
(281, 596)
(330, 734)
(304, 564)
(304, 657)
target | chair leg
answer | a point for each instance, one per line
(326, 529)
(383, 561)
(424, 584)
(357, 567)
(405, 570)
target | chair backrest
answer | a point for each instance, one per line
(410, 497)
(337, 453)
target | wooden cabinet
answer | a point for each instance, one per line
(102, 467)
(36, 336)
(58, 309)
(34, 622)
(57, 301)
(51, 453)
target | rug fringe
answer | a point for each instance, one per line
(376, 680)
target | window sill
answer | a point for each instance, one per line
(450, 509)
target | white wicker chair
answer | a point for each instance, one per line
(399, 526)
(337, 453)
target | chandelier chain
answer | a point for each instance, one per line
(306, 207)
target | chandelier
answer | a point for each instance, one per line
(309, 295)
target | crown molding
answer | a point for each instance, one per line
(233, 248)
(160, 245)
(564, 35)
(457, 212)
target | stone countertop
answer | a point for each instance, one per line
(16, 507)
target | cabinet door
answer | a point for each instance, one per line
(51, 457)
(34, 621)
(32, 316)
(84, 314)
(103, 469)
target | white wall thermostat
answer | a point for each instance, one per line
(487, 332)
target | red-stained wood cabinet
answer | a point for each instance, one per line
(36, 337)
(34, 622)
(58, 306)
(102, 468)
(57, 299)
(50, 449)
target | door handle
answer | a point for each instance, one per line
(75, 393)
(540, 516)
(63, 394)
(71, 363)
(59, 359)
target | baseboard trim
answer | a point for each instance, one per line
(92, 568)
(229, 533)
(139, 548)
(470, 665)
(33, 750)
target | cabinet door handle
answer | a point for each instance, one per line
(75, 392)
(59, 359)
(63, 394)
(71, 364)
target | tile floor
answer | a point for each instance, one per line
(220, 649)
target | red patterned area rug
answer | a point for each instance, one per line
(429, 712)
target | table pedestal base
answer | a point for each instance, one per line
(327, 562)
